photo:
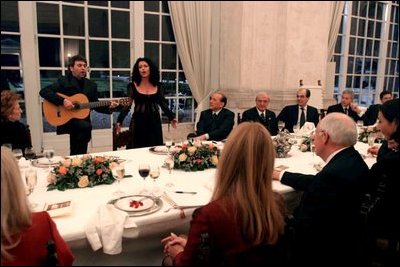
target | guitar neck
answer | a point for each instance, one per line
(92, 105)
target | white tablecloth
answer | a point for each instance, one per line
(86, 201)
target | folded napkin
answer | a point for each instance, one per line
(307, 129)
(106, 227)
(182, 200)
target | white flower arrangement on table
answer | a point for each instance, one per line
(195, 156)
(365, 131)
(283, 143)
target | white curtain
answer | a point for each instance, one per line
(191, 22)
(336, 18)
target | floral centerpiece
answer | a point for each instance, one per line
(195, 156)
(283, 143)
(365, 131)
(79, 172)
(305, 144)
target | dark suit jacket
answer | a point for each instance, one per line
(219, 129)
(69, 85)
(339, 108)
(371, 115)
(326, 218)
(290, 114)
(271, 123)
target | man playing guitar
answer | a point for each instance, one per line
(75, 82)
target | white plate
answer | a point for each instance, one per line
(127, 203)
(46, 161)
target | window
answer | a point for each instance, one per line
(160, 46)
(362, 50)
(98, 31)
(11, 65)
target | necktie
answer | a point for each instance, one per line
(302, 117)
(214, 116)
(263, 116)
(346, 111)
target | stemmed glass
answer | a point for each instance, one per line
(144, 170)
(371, 140)
(31, 182)
(154, 174)
(49, 153)
(17, 152)
(29, 153)
(281, 125)
(168, 144)
(169, 163)
(118, 173)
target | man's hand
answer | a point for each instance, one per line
(117, 127)
(68, 104)
(275, 175)
(174, 123)
(114, 104)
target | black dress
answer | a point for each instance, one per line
(146, 122)
(16, 134)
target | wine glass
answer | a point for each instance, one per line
(7, 145)
(29, 153)
(168, 144)
(17, 152)
(371, 140)
(154, 174)
(49, 153)
(118, 173)
(169, 163)
(281, 125)
(144, 170)
(31, 182)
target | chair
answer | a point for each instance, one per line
(121, 139)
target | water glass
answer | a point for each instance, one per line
(31, 182)
(281, 125)
(29, 153)
(118, 173)
(17, 153)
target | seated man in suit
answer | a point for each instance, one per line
(260, 114)
(216, 122)
(347, 106)
(325, 220)
(300, 113)
(371, 115)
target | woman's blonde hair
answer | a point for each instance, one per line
(15, 212)
(244, 174)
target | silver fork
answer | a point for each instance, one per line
(169, 201)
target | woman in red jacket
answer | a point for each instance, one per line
(26, 238)
(244, 220)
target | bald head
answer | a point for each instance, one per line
(342, 129)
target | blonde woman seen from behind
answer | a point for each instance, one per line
(24, 235)
(244, 220)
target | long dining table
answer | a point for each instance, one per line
(86, 202)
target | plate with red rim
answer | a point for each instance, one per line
(134, 203)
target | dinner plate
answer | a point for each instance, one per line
(158, 203)
(134, 203)
(160, 150)
(46, 163)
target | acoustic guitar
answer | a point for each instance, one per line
(59, 115)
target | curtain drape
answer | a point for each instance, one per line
(336, 18)
(191, 23)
